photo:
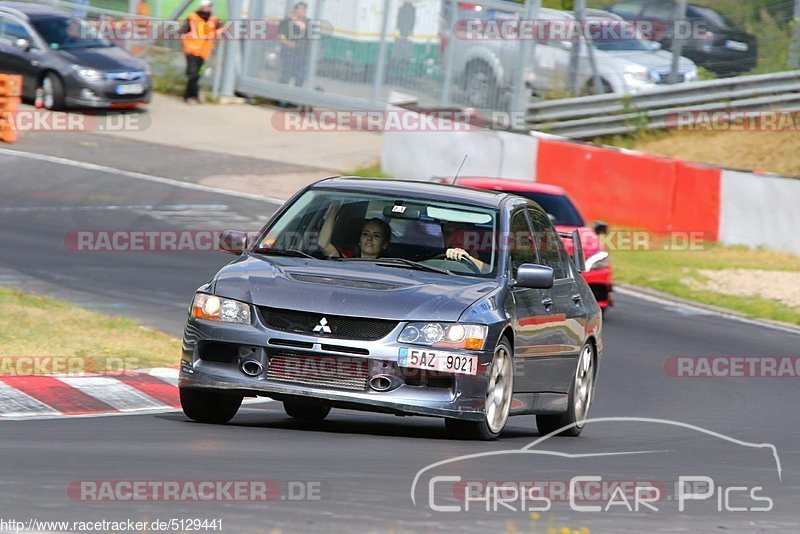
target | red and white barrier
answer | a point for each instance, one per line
(621, 187)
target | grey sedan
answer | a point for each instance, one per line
(398, 297)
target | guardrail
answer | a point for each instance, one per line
(612, 114)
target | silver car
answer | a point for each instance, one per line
(472, 311)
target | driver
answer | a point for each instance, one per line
(373, 239)
(453, 234)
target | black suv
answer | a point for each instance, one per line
(46, 47)
(715, 43)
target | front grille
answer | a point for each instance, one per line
(343, 282)
(327, 371)
(663, 77)
(336, 326)
(125, 76)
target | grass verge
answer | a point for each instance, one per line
(33, 326)
(679, 273)
(372, 171)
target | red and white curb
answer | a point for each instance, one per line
(23, 397)
(145, 391)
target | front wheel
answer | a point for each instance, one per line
(581, 393)
(499, 391)
(209, 406)
(52, 92)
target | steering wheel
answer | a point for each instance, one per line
(466, 261)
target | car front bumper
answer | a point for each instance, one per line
(103, 94)
(600, 282)
(456, 395)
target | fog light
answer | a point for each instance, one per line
(88, 94)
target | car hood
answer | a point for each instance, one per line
(658, 60)
(328, 287)
(111, 58)
(589, 239)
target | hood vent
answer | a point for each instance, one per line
(343, 282)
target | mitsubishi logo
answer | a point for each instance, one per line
(322, 327)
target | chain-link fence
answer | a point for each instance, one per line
(485, 54)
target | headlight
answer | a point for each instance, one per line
(90, 75)
(216, 308)
(692, 75)
(452, 335)
(597, 261)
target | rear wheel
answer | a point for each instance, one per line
(209, 406)
(581, 394)
(307, 412)
(499, 391)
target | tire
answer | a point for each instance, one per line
(499, 392)
(480, 85)
(209, 406)
(306, 412)
(53, 91)
(581, 393)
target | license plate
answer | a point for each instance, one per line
(130, 89)
(737, 45)
(445, 362)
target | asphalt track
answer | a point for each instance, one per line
(364, 465)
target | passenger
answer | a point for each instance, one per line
(453, 235)
(373, 240)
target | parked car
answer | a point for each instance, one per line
(486, 67)
(410, 332)
(716, 43)
(566, 218)
(46, 46)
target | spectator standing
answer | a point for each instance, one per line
(198, 34)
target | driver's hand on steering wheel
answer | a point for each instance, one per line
(457, 254)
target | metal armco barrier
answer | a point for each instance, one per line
(611, 114)
(10, 92)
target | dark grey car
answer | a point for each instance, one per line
(512, 330)
(46, 46)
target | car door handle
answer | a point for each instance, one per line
(547, 302)
(35, 63)
(576, 297)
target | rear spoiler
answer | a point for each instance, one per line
(577, 249)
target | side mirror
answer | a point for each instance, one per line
(600, 227)
(655, 46)
(535, 276)
(233, 242)
(577, 252)
(22, 44)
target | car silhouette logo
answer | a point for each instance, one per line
(322, 327)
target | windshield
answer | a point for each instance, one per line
(560, 209)
(67, 33)
(334, 225)
(711, 16)
(615, 36)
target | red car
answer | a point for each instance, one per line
(566, 218)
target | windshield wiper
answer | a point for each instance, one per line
(400, 262)
(294, 253)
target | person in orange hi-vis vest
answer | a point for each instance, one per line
(198, 35)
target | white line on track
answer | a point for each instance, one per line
(700, 309)
(136, 175)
